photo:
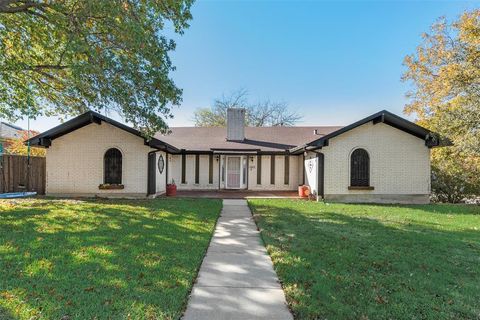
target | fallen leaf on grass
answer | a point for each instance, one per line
(380, 300)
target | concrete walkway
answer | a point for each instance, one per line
(236, 279)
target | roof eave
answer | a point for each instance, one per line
(45, 139)
(431, 139)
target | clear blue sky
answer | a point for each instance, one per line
(333, 62)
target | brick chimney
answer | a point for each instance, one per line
(235, 124)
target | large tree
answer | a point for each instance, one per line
(261, 114)
(62, 57)
(17, 145)
(445, 97)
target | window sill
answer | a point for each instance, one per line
(107, 186)
(361, 188)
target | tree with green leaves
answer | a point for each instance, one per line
(445, 97)
(17, 145)
(63, 57)
(265, 113)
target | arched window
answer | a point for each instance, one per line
(112, 166)
(359, 168)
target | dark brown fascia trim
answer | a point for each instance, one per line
(247, 152)
(379, 117)
(233, 149)
(45, 142)
(183, 151)
(277, 153)
(160, 145)
(94, 119)
(45, 139)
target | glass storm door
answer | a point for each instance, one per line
(233, 172)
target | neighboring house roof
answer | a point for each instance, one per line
(12, 126)
(260, 139)
(9, 131)
(431, 139)
(45, 139)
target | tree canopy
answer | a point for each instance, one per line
(445, 97)
(63, 57)
(17, 146)
(261, 114)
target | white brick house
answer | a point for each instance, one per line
(382, 158)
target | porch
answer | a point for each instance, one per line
(236, 194)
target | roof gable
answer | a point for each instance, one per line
(45, 139)
(431, 138)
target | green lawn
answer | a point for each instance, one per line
(338, 261)
(67, 259)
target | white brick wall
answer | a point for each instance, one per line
(75, 161)
(279, 174)
(175, 172)
(399, 162)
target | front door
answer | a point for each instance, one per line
(233, 172)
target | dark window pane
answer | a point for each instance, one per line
(184, 160)
(197, 169)
(272, 169)
(112, 164)
(286, 176)
(210, 169)
(359, 168)
(259, 169)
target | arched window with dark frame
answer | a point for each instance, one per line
(112, 166)
(359, 168)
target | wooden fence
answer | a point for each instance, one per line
(15, 176)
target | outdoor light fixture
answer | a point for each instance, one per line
(217, 157)
(251, 158)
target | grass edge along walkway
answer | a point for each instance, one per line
(340, 261)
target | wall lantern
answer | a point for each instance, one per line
(217, 158)
(251, 159)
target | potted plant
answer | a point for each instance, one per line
(303, 191)
(171, 188)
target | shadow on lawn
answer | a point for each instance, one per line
(342, 266)
(109, 259)
(5, 314)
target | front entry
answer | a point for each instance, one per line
(233, 172)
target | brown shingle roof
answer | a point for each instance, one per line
(266, 139)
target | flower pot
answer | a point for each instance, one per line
(171, 190)
(303, 191)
